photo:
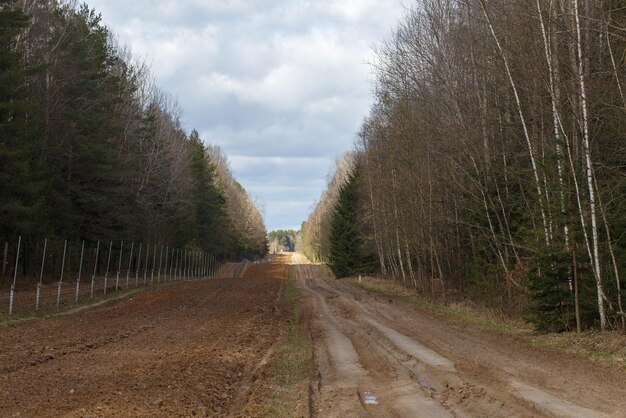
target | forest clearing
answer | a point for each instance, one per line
(216, 347)
(171, 243)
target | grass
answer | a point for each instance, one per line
(603, 347)
(284, 390)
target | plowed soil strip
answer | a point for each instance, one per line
(182, 350)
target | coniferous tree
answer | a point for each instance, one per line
(21, 184)
(88, 187)
(210, 217)
(345, 256)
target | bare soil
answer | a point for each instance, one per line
(378, 357)
(211, 348)
(185, 349)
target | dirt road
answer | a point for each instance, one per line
(186, 349)
(205, 348)
(378, 358)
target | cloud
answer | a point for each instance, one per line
(280, 85)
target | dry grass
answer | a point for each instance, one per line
(604, 347)
(282, 390)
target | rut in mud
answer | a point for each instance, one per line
(378, 358)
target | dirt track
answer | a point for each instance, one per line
(194, 349)
(416, 365)
(186, 349)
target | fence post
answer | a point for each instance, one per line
(153, 262)
(95, 269)
(80, 271)
(130, 260)
(4, 259)
(175, 265)
(202, 263)
(106, 275)
(17, 260)
(43, 262)
(167, 251)
(145, 269)
(62, 271)
(119, 267)
(160, 265)
(138, 265)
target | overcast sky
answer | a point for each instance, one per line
(281, 85)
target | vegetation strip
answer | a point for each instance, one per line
(284, 386)
(608, 348)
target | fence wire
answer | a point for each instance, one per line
(40, 277)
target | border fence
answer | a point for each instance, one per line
(48, 275)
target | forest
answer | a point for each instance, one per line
(91, 148)
(492, 165)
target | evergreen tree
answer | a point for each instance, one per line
(211, 220)
(20, 120)
(345, 258)
(88, 190)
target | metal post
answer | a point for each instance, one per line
(176, 265)
(160, 265)
(145, 269)
(138, 266)
(153, 262)
(119, 267)
(95, 269)
(106, 275)
(43, 262)
(177, 268)
(62, 270)
(17, 260)
(167, 251)
(130, 260)
(203, 265)
(80, 271)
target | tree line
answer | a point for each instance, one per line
(91, 149)
(492, 163)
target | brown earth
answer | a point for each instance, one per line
(378, 357)
(183, 349)
(205, 348)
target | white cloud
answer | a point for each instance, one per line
(281, 85)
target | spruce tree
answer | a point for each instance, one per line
(211, 220)
(345, 256)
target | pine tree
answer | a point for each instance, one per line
(20, 121)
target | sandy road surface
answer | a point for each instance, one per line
(378, 358)
(186, 349)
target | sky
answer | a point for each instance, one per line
(281, 85)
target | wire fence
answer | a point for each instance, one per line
(48, 275)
